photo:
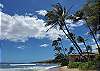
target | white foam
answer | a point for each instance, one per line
(21, 64)
(38, 68)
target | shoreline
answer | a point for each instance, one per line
(64, 68)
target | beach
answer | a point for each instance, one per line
(64, 68)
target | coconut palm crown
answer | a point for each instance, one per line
(57, 16)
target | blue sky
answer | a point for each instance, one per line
(23, 38)
(25, 6)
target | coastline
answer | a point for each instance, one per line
(64, 68)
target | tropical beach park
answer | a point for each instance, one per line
(49, 35)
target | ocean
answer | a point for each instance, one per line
(26, 67)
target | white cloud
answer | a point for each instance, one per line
(80, 44)
(77, 43)
(72, 25)
(93, 40)
(95, 48)
(1, 5)
(98, 36)
(42, 12)
(28, 14)
(68, 21)
(44, 45)
(20, 47)
(20, 28)
(71, 44)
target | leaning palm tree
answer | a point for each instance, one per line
(57, 17)
(90, 14)
(81, 40)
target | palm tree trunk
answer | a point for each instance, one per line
(70, 40)
(85, 46)
(94, 38)
(86, 50)
(75, 46)
(75, 43)
(63, 48)
(73, 39)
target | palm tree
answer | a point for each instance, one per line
(55, 44)
(81, 40)
(59, 55)
(71, 49)
(59, 58)
(57, 17)
(90, 14)
(60, 42)
(89, 49)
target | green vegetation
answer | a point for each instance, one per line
(87, 65)
(74, 64)
(98, 62)
(98, 57)
(64, 63)
(90, 65)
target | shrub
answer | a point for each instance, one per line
(98, 62)
(64, 64)
(73, 64)
(83, 66)
(91, 65)
(98, 57)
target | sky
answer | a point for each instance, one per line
(23, 37)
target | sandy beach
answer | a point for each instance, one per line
(64, 68)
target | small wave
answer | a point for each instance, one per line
(21, 64)
(28, 69)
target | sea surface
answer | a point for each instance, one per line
(26, 67)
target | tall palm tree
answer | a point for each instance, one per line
(57, 17)
(58, 50)
(56, 46)
(90, 15)
(81, 40)
(60, 42)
